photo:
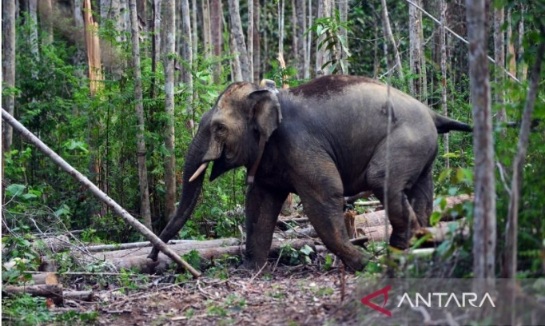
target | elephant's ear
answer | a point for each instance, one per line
(265, 112)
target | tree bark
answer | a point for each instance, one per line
(511, 54)
(187, 55)
(169, 53)
(206, 28)
(145, 212)
(155, 45)
(93, 49)
(343, 51)
(281, 13)
(308, 50)
(33, 37)
(257, 42)
(417, 64)
(510, 258)
(499, 58)
(53, 291)
(444, 103)
(250, 38)
(300, 60)
(322, 56)
(97, 192)
(238, 37)
(216, 30)
(8, 68)
(484, 230)
(522, 67)
(390, 36)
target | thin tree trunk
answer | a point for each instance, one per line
(343, 51)
(195, 38)
(417, 66)
(187, 54)
(93, 49)
(511, 55)
(206, 28)
(281, 13)
(300, 10)
(522, 67)
(169, 52)
(257, 42)
(510, 259)
(236, 70)
(442, 41)
(499, 57)
(238, 36)
(390, 36)
(8, 68)
(250, 38)
(308, 51)
(98, 193)
(155, 45)
(484, 229)
(141, 144)
(322, 56)
(33, 37)
(216, 31)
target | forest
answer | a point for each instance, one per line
(118, 88)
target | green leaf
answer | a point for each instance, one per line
(15, 190)
(306, 250)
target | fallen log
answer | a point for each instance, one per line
(45, 278)
(53, 291)
(378, 218)
(147, 244)
(436, 234)
(140, 261)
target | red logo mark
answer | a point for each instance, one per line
(384, 292)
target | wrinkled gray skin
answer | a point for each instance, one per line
(325, 140)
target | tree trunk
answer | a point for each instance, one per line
(390, 36)
(195, 38)
(236, 70)
(33, 37)
(93, 49)
(510, 258)
(522, 67)
(169, 52)
(444, 102)
(484, 229)
(46, 20)
(206, 28)
(281, 13)
(308, 50)
(216, 30)
(238, 37)
(511, 55)
(141, 144)
(300, 60)
(322, 55)
(155, 45)
(499, 58)
(343, 51)
(8, 68)
(257, 41)
(250, 38)
(417, 66)
(187, 55)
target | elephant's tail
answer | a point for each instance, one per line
(444, 124)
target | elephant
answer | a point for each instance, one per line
(322, 140)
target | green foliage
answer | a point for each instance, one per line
(293, 256)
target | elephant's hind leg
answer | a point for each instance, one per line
(262, 208)
(322, 195)
(421, 198)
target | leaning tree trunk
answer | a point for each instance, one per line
(169, 51)
(141, 143)
(8, 67)
(484, 229)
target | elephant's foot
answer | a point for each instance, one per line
(399, 241)
(357, 260)
(256, 265)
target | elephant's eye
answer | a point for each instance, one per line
(220, 130)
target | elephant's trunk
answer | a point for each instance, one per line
(190, 191)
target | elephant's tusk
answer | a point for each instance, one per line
(198, 172)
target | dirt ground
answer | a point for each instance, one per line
(289, 295)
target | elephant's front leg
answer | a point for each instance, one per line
(262, 208)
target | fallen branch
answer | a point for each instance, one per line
(158, 243)
(53, 291)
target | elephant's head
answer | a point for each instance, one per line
(235, 131)
(232, 134)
